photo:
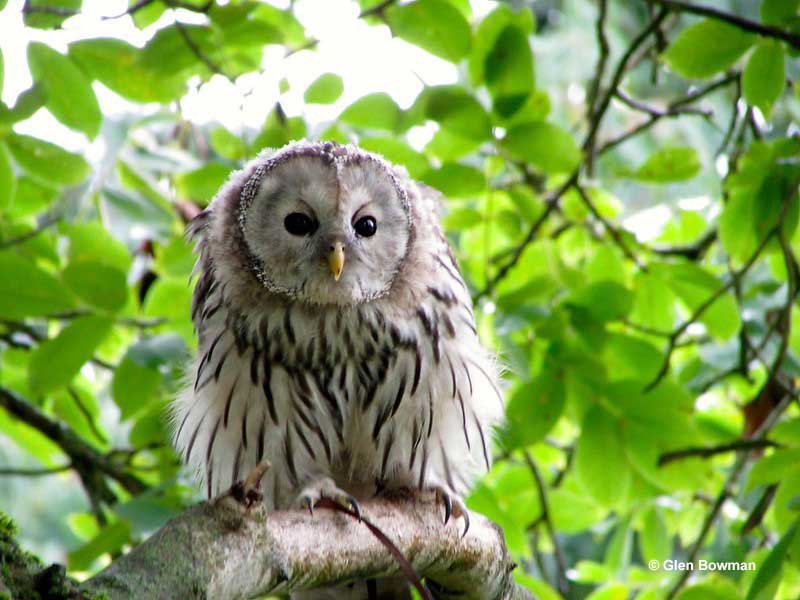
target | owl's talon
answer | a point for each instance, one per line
(308, 504)
(355, 506)
(448, 506)
(453, 507)
(465, 514)
(325, 489)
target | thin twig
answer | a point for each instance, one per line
(742, 23)
(34, 472)
(45, 224)
(698, 312)
(610, 228)
(563, 583)
(709, 451)
(619, 73)
(212, 66)
(551, 204)
(602, 59)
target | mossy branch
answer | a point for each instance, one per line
(214, 551)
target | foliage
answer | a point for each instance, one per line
(652, 409)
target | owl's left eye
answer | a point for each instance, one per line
(299, 224)
(366, 226)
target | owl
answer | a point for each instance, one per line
(336, 337)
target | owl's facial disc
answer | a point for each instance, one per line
(327, 233)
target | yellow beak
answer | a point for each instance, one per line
(336, 260)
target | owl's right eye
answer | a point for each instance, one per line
(299, 224)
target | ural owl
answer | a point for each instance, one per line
(336, 336)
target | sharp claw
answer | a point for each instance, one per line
(309, 505)
(465, 514)
(355, 506)
(448, 506)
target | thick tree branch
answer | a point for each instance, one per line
(213, 551)
(89, 463)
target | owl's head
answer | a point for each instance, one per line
(324, 223)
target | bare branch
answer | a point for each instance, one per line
(602, 59)
(745, 24)
(602, 105)
(88, 462)
(212, 551)
(563, 584)
(709, 451)
(551, 205)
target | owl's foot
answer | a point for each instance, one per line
(453, 506)
(247, 494)
(324, 488)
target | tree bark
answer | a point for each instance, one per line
(214, 551)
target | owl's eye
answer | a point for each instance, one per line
(299, 224)
(366, 226)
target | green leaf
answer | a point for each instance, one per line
(543, 145)
(150, 428)
(51, 14)
(669, 164)
(227, 145)
(600, 452)
(70, 97)
(110, 539)
(30, 197)
(55, 362)
(456, 180)
(2, 62)
(774, 467)
(97, 284)
(433, 25)
(533, 410)
(134, 386)
(119, 66)
(604, 300)
(374, 111)
(715, 587)
(202, 184)
(706, 48)
(509, 71)
(654, 539)
(764, 77)
(573, 510)
(618, 552)
(28, 102)
(123, 209)
(326, 89)
(457, 111)
(41, 294)
(488, 31)
(278, 130)
(778, 12)
(92, 242)
(8, 183)
(767, 578)
(158, 350)
(47, 162)
(397, 152)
